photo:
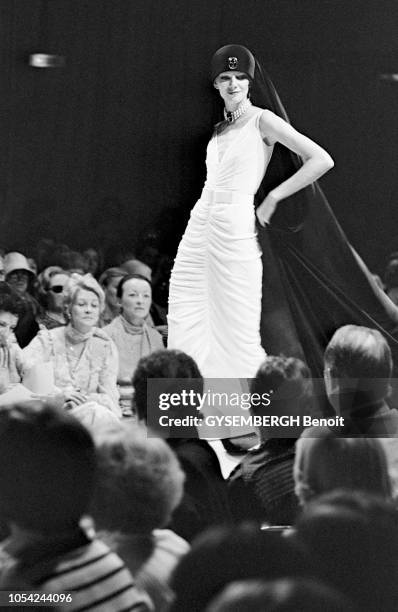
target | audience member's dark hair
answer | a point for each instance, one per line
(353, 541)
(362, 357)
(47, 467)
(171, 365)
(10, 302)
(279, 596)
(288, 374)
(205, 501)
(223, 555)
(288, 381)
(127, 277)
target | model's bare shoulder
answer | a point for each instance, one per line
(269, 124)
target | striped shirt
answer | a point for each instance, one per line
(96, 578)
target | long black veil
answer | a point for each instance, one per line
(313, 280)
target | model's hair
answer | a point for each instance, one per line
(170, 365)
(47, 467)
(87, 283)
(327, 463)
(140, 481)
(287, 379)
(362, 357)
(126, 278)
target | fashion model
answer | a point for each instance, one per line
(215, 289)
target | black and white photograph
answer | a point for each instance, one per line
(199, 305)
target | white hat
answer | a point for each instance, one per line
(16, 261)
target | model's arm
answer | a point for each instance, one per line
(316, 161)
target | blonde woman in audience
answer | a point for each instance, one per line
(84, 358)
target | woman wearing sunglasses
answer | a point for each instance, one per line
(52, 282)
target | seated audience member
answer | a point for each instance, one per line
(327, 463)
(261, 486)
(131, 334)
(20, 278)
(352, 538)
(52, 283)
(139, 485)
(47, 474)
(93, 261)
(358, 369)
(135, 266)
(84, 358)
(280, 596)
(109, 281)
(157, 316)
(223, 555)
(205, 500)
(11, 361)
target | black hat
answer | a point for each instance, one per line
(232, 57)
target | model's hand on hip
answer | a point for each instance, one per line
(266, 209)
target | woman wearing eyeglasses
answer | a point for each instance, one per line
(52, 282)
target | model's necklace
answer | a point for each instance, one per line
(232, 116)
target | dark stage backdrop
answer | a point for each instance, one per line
(91, 153)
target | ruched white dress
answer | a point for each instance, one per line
(215, 287)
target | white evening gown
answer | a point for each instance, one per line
(215, 287)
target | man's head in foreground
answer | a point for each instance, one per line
(47, 468)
